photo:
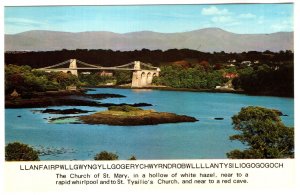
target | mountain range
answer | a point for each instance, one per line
(206, 40)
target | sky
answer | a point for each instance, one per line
(236, 18)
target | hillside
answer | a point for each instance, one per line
(206, 40)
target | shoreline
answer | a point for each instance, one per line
(65, 98)
(164, 88)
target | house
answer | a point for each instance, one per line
(230, 75)
(15, 94)
(247, 63)
(232, 61)
(231, 65)
(71, 88)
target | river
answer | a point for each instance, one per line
(204, 139)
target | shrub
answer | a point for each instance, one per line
(20, 152)
(132, 158)
(104, 155)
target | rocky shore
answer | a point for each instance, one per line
(64, 98)
(139, 118)
(126, 116)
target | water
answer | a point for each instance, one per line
(205, 139)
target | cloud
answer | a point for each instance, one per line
(261, 20)
(23, 22)
(213, 10)
(222, 19)
(247, 16)
(219, 16)
(225, 21)
(284, 25)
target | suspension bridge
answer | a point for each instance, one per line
(142, 73)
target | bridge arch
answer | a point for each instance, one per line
(149, 78)
(143, 79)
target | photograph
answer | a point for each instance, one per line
(149, 82)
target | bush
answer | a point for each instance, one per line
(104, 155)
(132, 158)
(20, 152)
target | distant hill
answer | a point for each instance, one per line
(206, 40)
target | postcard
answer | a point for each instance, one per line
(100, 96)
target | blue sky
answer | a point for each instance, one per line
(237, 18)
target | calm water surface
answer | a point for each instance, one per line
(205, 139)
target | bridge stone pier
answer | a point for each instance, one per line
(142, 78)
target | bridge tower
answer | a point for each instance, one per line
(141, 77)
(73, 67)
(136, 75)
(137, 65)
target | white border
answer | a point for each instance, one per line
(157, 2)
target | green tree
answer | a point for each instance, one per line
(123, 77)
(20, 152)
(66, 79)
(264, 134)
(104, 155)
(95, 79)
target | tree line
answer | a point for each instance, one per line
(101, 57)
(265, 80)
(193, 77)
